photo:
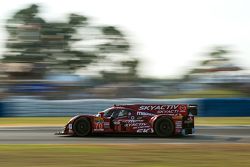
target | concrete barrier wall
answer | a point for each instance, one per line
(1, 109)
(33, 107)
(229, 107)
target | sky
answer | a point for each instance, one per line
(168, 36)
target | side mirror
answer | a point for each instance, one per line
(101, 114)
(192, 109)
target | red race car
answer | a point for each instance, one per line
(162, 119)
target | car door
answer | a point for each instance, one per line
(108, 120)
(121, 120)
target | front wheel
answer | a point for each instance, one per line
(82, 127)
(164, 127)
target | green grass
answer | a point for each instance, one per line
(230, 121)
(211, 93)
(61, 121)
(140, 155)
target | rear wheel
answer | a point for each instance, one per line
(164, 127)
(82, 127)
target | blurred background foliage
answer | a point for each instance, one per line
(34, 40)
(74, 59)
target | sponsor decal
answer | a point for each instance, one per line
(168, 112)
(132, 121)
(98, 120)
(141, 127)
(149, 130)
(135, 124)
(98, 130)
(99, 124)
(159, 107)
(106, 124)
(183, 108)
(70, 126)
(178, 124)
(145, 114)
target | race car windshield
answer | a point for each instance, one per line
(108, 112)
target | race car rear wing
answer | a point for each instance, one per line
(193, 109)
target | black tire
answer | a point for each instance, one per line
(82, 127)
(164, 127)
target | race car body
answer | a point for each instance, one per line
(164, 120)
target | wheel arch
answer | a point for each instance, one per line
(156, 128)
(156, 117)
(80, 117)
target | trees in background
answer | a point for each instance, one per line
(216, 60)
(65, 47)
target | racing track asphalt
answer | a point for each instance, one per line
(45, 135)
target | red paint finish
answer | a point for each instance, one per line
(137, 118)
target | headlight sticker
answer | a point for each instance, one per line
(70, 126)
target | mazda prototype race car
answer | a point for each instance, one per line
(164, 120)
